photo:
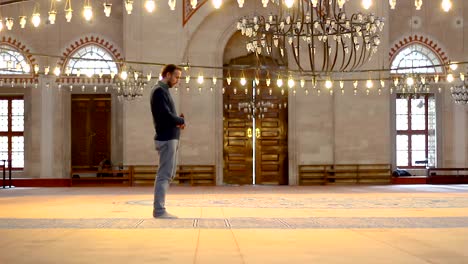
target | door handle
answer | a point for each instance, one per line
(257, 132)
(249, 132)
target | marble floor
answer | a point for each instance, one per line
(246, 224)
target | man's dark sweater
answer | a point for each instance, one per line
(165, 117)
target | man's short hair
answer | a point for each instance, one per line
(170, 68)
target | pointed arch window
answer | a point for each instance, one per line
(91, 59)
(416, 55)
(12, 61)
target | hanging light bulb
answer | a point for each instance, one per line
(36, 19)
(436, 78)
(187, 79)
(46, 70)
(57, 71)
(462, 76)
(382, 83)
(392, 4)
(450, 78)
(243, 81)
(194, 3)
(88, 12)
(100, 74)
(268, 82)
(418, 4)
(36, 68)
(240, 3)
(148, 77)
(214, 80)
(328, 84)
(355, 84)
(217, 3)
(200, 79)
(107, 9)
(342, 85)
(9, 23)
(446, 5)
(172, 6)
(369, 84)
(26, 68)
(150, 6)
(52, 17)
(229, 80)
(291, 82)
(1, 25)
(289, 3)
(341, 3)
(265, 3)
(68, 11)
(366, 4)
(302, 83)
(453, 66)
(279, 82)
(410, 81)
(135, 75)
(112, 74)
(124, 75)
(129, 6)
(22, 21)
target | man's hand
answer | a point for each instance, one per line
(181, 126)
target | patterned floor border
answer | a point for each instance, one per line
(237, 223)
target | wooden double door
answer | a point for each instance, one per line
(255, 131)
(90, 130)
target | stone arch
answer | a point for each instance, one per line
(25, 51)
(419, 39)
(77, 45)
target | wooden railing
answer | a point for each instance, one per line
(345, 174)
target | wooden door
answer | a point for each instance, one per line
(270, 132)
(91, 130)
(271, 148)
(238, 153)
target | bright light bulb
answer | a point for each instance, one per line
(200, 79)
(129, 6)
(217, 3)
(291, 83)
(57, 71)
(302, 83)
(450, 78)
(410, 81)
(446, 5)
(392, 4)
(172, 4)
(453, 66)
(243, 81)
(107, 9)
(289, 3)
(418, 4)
(36, 19)
(26, 68)
(22, 21)
(366, 4)
(279, 82)
(148, 77)
(462, 76)
(1, 25)
(68, 14)
(112, 74)
(9, 23)
(150, 6)
(265, 3)
(88, 12)
(328, 84)
(214, 80)
(36, 68)
(124, 75)
(46, 70)
(240, 3)
(369, 84)
(52, 17)
(194, 3)
(268, 81)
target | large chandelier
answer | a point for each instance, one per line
(411, 84)
(130, 85)
(460, 94)
(318, 32)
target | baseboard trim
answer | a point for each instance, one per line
(36, 182)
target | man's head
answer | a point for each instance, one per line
(171, 74)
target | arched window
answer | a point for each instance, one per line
(12, 61)
(416, 55)
(91, 59)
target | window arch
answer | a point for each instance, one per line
(416, 55)
(91, 59)
(12, 61)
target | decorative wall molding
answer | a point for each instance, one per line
(188, 11)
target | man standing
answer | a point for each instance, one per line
(167, 125)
